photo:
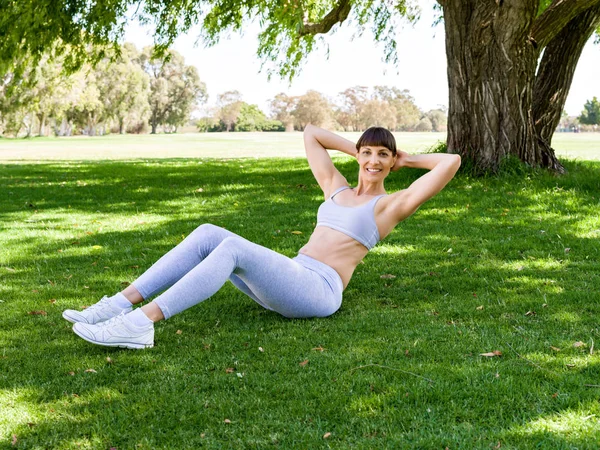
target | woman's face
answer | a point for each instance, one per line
(375, 162)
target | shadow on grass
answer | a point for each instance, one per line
(504, 264)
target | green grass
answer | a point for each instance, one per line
(582, 146)
(508, 264)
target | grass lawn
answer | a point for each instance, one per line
(508, 264)
(582, 146)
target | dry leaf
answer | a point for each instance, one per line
(10, 269)
(14, 440)
(202, 435)
(303, 363)
(530, 313)
(387, 276)
(326, 435)
(72, 373)
(319, 349)
(227, 421)
(578, 344)
(37, 313)
(178, 332)
(52, 300)
(479, 308)
(90, 371)
(567, 250)
(449, 250)
(229, 370)
(296, 232)
(491, 354)
(199, 190)
(260, 349)
(556, 349)
(109, 360)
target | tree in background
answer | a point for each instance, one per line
(282, 107)
(591, 112)
(175, 89)
(378, 113)
(438, 119)
(229, 105)
(124, 88)
(407, 112)
(314, 108)
(350, 112)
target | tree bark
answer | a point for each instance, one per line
(556, 70)
(491, 70)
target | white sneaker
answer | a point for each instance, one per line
(116, 332)
(99, 312)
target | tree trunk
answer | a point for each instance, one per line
(556, 70)
(42, 119)
(491, 74)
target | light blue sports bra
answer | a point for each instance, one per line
(358, 222)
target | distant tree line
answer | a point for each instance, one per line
(354, 109)
(588, 120)
(130, 92)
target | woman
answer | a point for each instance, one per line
(349, 223)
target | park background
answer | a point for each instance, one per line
(473, 325)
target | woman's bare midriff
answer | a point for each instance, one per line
(337, 250)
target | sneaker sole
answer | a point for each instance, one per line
(130, 345)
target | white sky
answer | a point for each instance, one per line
(233, 65)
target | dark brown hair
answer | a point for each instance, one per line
(377, 137)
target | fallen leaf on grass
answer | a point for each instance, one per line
(530, 313)
(303, 363)
(567, 250)
(260, 349)
(479, 308)
(10, 269)
(296, 232)
(556, 349)
(326, 435)
(578, 344)
(109, 360)
(229, 370)
(178, 332)
(14, 440)
(52, 300)
(90, 371)
(492, 354)
(387, 276)
(37, 313)
(227, 421)
(72, 373)
(319, 349)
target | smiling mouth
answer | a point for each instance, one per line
(373, 170)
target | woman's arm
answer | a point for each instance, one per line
(316, 143)
(442, 168)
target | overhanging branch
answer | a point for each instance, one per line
(336, 15)
(555, 18)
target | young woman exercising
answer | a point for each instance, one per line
(349, 223)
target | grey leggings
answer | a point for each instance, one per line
(199, 266)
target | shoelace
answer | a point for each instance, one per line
(111, 321)
(103, 302)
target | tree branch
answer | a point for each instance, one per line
(555, 18)
(337, 14)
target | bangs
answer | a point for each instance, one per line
(377, 137)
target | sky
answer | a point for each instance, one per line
(233, 65)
